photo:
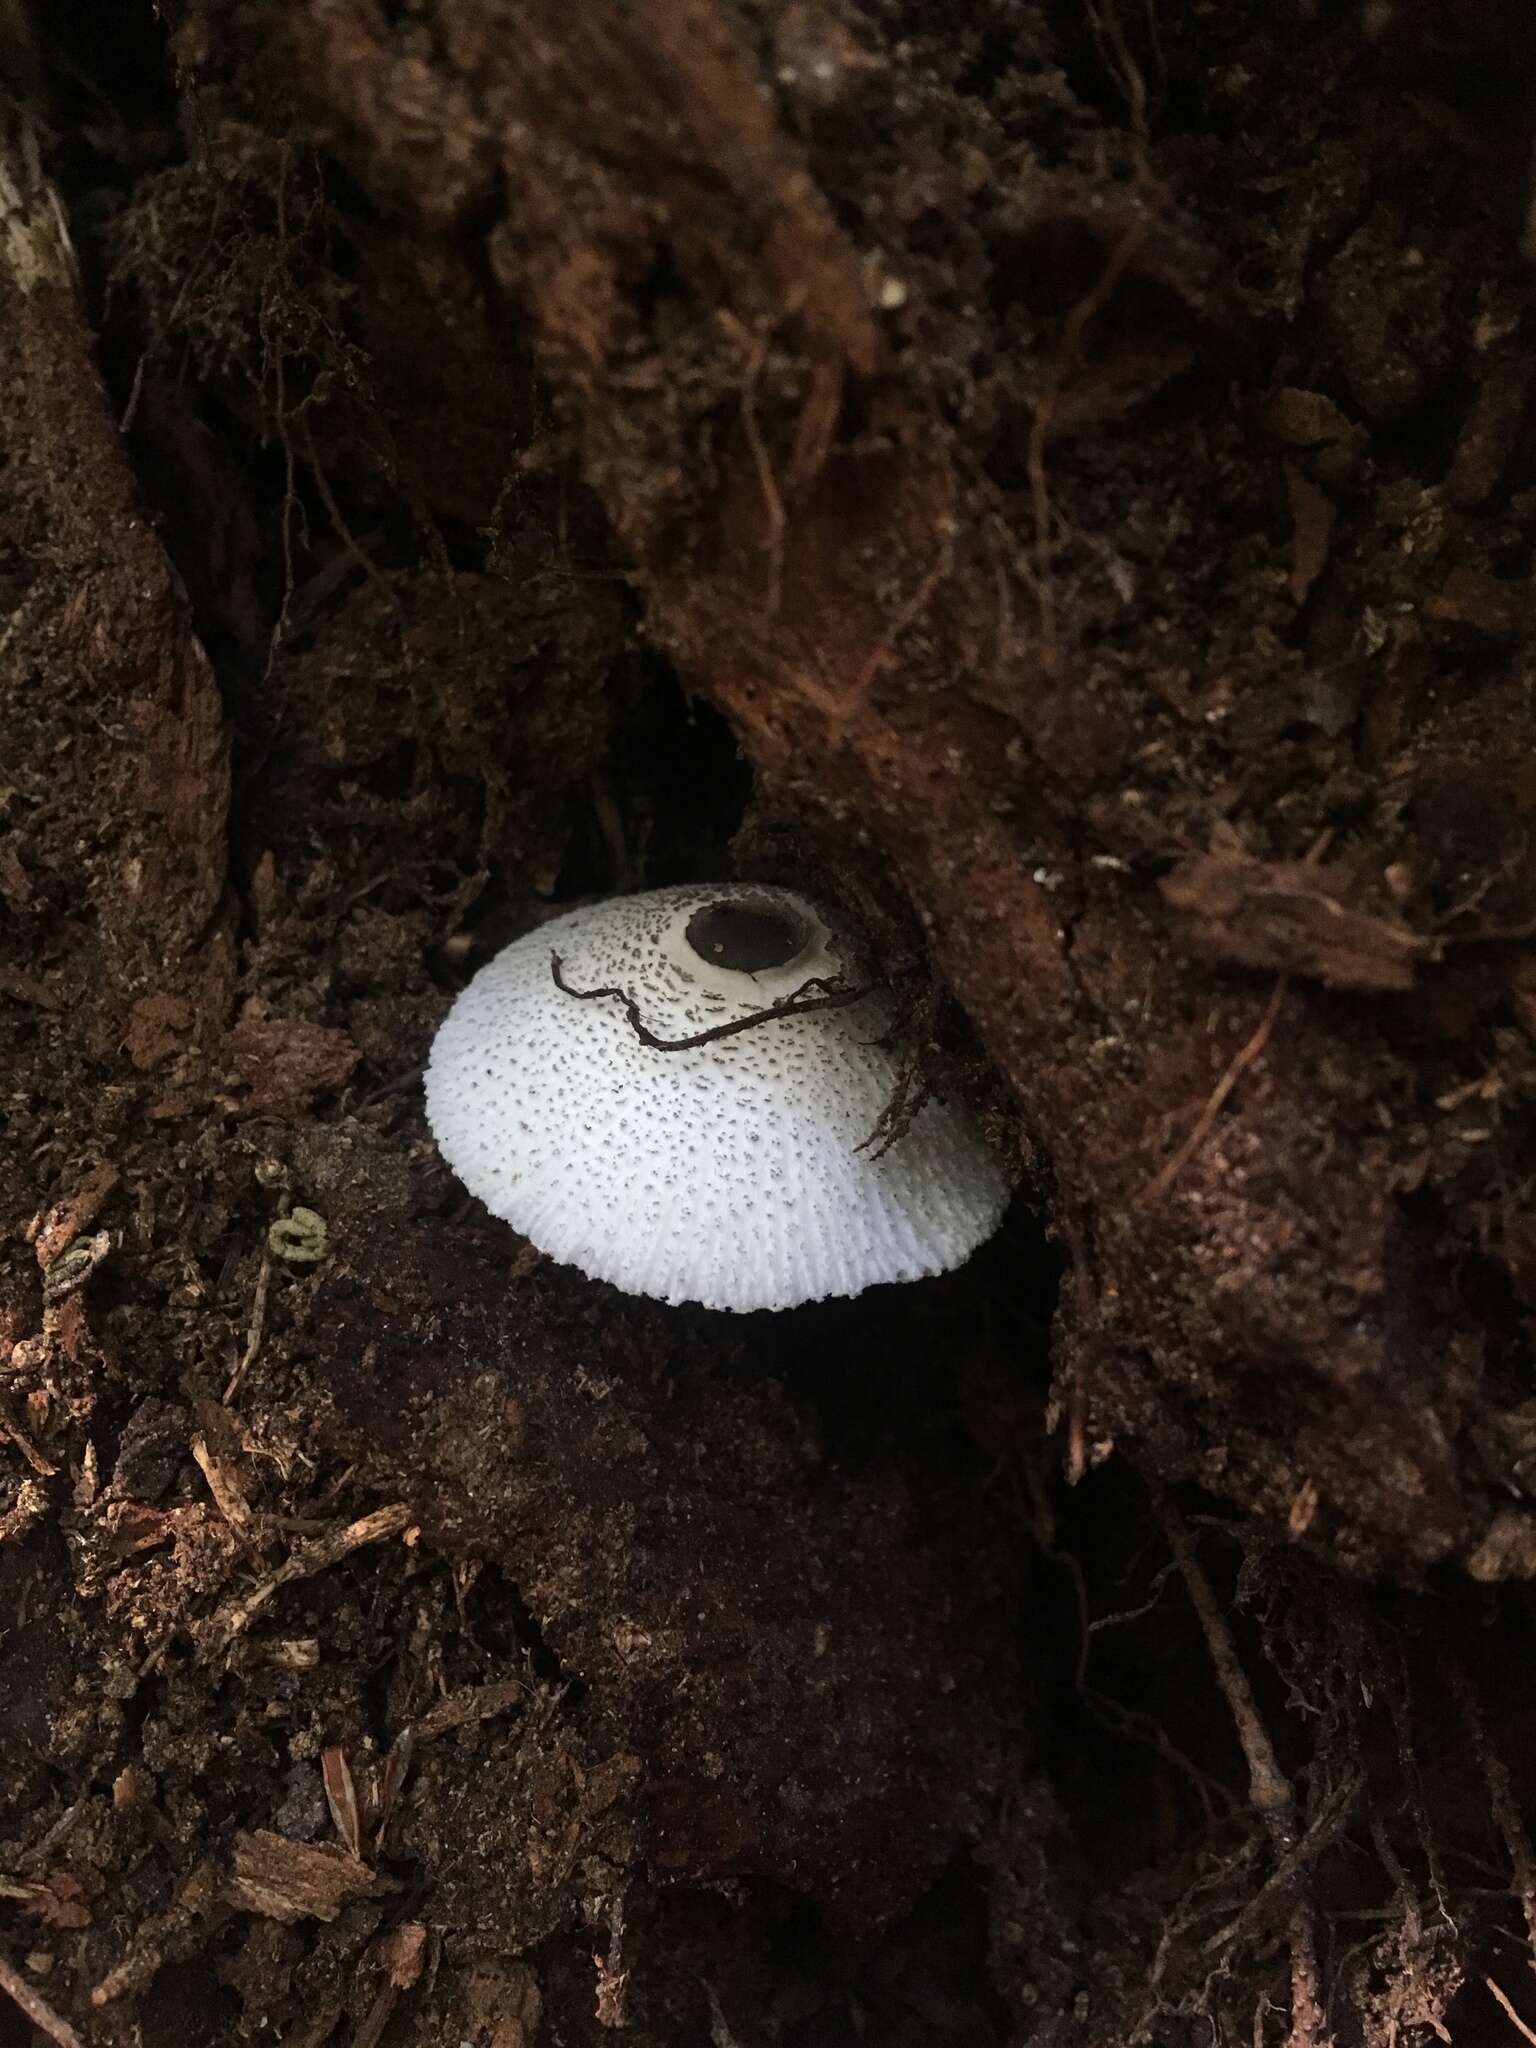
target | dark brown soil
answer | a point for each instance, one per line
(1059, 481)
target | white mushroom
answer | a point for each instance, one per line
(733, 1171)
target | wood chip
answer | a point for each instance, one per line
(401, 1952)
(216, 1448)
(341, 1798)
(65, 1221)
(26, 988)
(292, 1653)
(291, 1881)
(131, 1526)
(58, 1903)
(288, 1061)
(470, 1703)
(12, 1428)
(27, 1508)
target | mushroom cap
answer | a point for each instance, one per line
(727, 1173)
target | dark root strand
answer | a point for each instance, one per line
(834, 996)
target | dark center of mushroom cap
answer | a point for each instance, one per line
(749, 937)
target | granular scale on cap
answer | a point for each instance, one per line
(730, 1172)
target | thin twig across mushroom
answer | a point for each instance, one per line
(796, 1005)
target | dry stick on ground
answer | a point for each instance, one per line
(37, 2010)
(1515, 2019)
(1268, 1786)
(314, 1557)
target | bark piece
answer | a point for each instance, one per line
(292, 1881)
(287, 1062)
